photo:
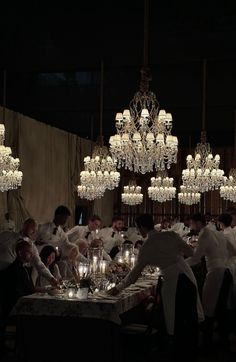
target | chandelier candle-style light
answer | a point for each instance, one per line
(132, 195)
(143, 142)
(161, 189)
(90, 192)
(189, 195)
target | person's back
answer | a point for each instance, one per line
(163, 249)
(8, 241)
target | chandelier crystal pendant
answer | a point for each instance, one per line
(161, 189)
(203, 170)
(143, 142)
(132, 195)
(189, 195)
(10, 176)
(99, 171)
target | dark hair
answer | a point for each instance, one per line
(29, 221)
(21, 245)
(226, 219)
(231, 210)
(138, 242)
(145, 220)
(127, 242)
(198, 217)
(116, 218)
(94, 218)
(62, 211)
(44, 254)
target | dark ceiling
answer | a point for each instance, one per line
(52, 54)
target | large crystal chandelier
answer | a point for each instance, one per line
(189, 195)
(10, 176)
(99, 171)
(161, 189)
(143, 142)
(203, 170)
(132, 195)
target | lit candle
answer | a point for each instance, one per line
(57, 249)
(120, 259)
(126, 255)
(132, 260)
(103, 266)
(70, 293)
(95, 264)
(96, 231)
(81, 270)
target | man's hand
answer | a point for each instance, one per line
(113, 291)
(54, 283)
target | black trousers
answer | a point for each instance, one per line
(186, 318)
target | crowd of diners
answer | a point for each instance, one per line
(193, 304)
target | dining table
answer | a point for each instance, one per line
(58, 327)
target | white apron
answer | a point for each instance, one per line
(170, 278)
(213, 282)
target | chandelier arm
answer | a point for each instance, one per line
(101, 101)
(4, 95)
(204, 96)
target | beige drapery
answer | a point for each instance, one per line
(51, 160)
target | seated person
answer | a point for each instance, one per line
(98, 243)
(15, 280)
(48, 257)
(68, 264)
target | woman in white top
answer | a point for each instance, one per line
(68, 264)
(48, 257)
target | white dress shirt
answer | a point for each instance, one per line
(165, 251)
(80, 232)
(110, 238)
(45, 235)
(8, 242)
(213, 245)
(180, 229)
(133, 235)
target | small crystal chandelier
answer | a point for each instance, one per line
(203, 171)
(228, 190)
(189, 195)
(99, 171)
(161, 189)
(143, 142)
(90, 192)
(10, 176)
(132, 195)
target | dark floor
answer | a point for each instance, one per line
(137, 354)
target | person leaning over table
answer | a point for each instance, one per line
(179, 293)
(8, 242)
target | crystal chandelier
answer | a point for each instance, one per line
(203, 170)
(90, 192)
(99, 171)
(132, 195)
(228, 190)
(189, 195)
(143, 142)
(10, 176)
(161, 189)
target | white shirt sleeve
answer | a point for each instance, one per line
(136, 271)
(39, 265)
(199, 252)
